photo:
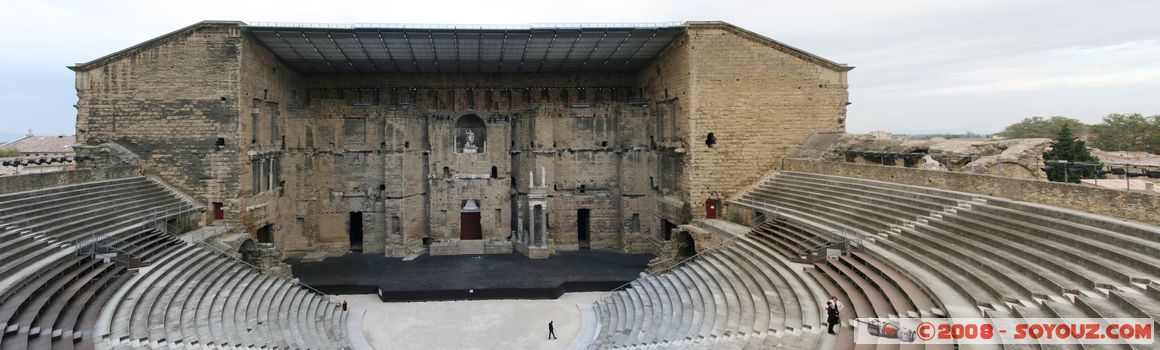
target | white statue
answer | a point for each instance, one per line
(470, 146)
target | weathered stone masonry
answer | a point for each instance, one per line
(217, 113)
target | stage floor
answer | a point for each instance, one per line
(491, 276)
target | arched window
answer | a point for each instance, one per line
(470, 134)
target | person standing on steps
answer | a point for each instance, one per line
(344, 305)
(551, 330)
(831, 316)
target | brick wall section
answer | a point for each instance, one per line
(167, 102)
(760, 100)
(32, 182)
(1137, 206)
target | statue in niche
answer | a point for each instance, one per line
(469, 146)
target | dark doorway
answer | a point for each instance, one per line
(265, 234)
(711, 208)
(469, 226)
(667, 229)
(688, 245)
(218, 213)
(356, 231)
(582, 228)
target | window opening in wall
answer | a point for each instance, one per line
(256, 177)
(494, 172)
(710, 140)
(300, 224)
(583, 188)
(582, 228)
(634, 225)
(221, 142)
(499, 218)
(446, 173)
(265, 234)
(396, 226)
(603, 143)
(356, 231)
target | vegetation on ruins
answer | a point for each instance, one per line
(1118, 132)
(1127, 132)
(1040, 127)
(1063, 155)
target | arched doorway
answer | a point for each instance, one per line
(469, 225)
(248, 251)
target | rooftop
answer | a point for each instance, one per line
(411, 48)
(42, 144)
(460, 49)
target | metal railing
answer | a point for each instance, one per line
(846, 242)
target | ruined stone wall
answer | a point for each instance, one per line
(665, 83)
(759, 101)
(168, 102)
(390, 146)
(266, 92)
(1138, 206)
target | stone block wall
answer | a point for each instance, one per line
(760, 99)
(33, 182)
(168, 101)
(1136, 205)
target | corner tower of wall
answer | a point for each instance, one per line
(168, 100)
(759, 98)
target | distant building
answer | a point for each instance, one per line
(38, 154)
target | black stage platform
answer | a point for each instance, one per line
(460, 277)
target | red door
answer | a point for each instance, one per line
(218, 213)
(469, 227)
(711, 209)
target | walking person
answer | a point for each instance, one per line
(344, 305)
(551, 330)
(831, 316)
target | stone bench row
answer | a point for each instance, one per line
(56, 307)
(14, 200)
(746, 290)
(197, 297)
(1011, 258)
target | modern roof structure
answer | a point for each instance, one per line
(359, 49)
(408, 48)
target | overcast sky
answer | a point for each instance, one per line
(922, 66)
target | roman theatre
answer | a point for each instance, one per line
(331, 186)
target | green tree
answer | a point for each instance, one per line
(1072, 150)
(1040, 127)
(1127, 132)
(4, 153)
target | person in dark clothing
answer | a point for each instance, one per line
(551, 331)
(344, 305)
(832, 316)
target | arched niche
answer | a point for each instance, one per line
(470, 134)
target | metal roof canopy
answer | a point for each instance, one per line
(465, 49)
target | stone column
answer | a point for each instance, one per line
(519, 220)
(544, 223)
(531, 224)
